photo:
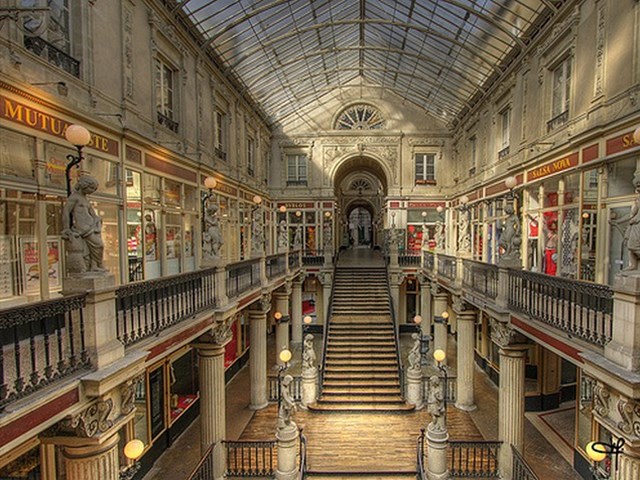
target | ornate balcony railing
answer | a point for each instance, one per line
(409, 260)
(221, 154)
(40, 343)
(557, 121)
(276, 265)
(447, 267)
(250, 459)
(477, 459)
(503, 153)
(242, 276)
(481, 277)
(204, 470)
(297, 183)
(294, 260)
(273, 389)
(429, 261)
(582, 309)
(312, 257)
(53, 55)
(170, 123)
(145, 308)
(521, 469)
(136, 273)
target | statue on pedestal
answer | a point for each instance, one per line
(212, 236)
(297, 239)
(632, 232)
(464, 235)
(436, 406)
(82, 229)
(287, 403)
(510, 239)
(439, 235)
(309, 354)
(414, 356)
(283, 237)
(257, 233)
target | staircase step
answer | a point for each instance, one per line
(362, 407)
(361, 390)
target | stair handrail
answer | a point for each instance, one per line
(325, 337)
(421, 472)
(396, 330)
(303, 456)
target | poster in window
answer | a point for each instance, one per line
(150, 237)
(156, 401)
(29, 256)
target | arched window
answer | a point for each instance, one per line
(360, 117)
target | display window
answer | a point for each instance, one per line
(17, 154)
(183, 383)
(231, 348)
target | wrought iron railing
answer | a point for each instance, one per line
(429, 261)
(478, 459)
(325, 337)
(585, 310)
(250, 459)
(40, 343)
(409, 260)
(204, 470)
(294, 260)
(558, 121)
(420, 457)
(53, 54)
(303, 456)
(396, 331)
(273, 388)
(481, 277)
(521, 469)
(242, 276)
(168, 122)
(221, 154)
(447, 267)
(312, 257)
(503, 153)
(276, 265)
(146, 308)
(136, 273)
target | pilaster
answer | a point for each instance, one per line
(258, 352)
(296, 312)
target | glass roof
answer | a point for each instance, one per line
(436, 54)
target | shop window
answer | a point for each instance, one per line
(151, 243)
(183, 377)
(172, 193)
(620, 175)
(190, 198)
(135, 240)
(17, 153)
(141, 419)
(570, 233)
(152, 189)
(157, 402)
(618, 253)
(173, 242)
(26, 466)
(110, 237)
(551, 192)
(189, 252)
(425, 172)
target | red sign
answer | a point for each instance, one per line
(553, 167)
(590, 153)
(426, 204)
(621, 143)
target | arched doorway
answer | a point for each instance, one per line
(360, 227)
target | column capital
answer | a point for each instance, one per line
(505, 335)
(436, 289)
(212, 343)
(282, 294)
(461, 307)
(261, 306)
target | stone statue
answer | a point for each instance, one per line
(82, 229)
(257, 233)
(327, 237)
(439, 235)
(464, 236)
(632, 232)
(414, 356)
(435, 404)
(212, 236)
(287, 404)
(283, 237)
(309, 354)
(297, 239)
(510, 239)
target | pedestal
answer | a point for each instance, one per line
(296, 313)
(258, 359)
(437, 442)
(624, 347)
(466, 338)
(511, 405)
(287, 452)
(415, 392)
(100, 333)
(90, 462)
(309, 387)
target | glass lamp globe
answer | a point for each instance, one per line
(285, 355)
(277, 315)
(510, 182)
(210, 183)
(257, 199)
(307, 320)
(439, 355)
(594, 455)
(445, 315)
(282, 209)
(133, 449)
(77, 135)
(417, 319)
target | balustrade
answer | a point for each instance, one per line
(312, 257)
(582, 309)
(521, 469)
(447, 266)
(409, 260)
(41, 343)
(243, 276)
(429, 261)
(53, 54)
(276, 265)
(145, 308)
(451, 387)
(481, 278)
(274, 389)
(294, 260)
(477, 459)
(250, 459)
(204, 470)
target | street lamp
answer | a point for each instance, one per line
(442, 318)
(306, 324)
(133, 451)
(598, 451)
(79, 137)
(439, 356)
(424, 340)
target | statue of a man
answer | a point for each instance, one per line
(326, 236)
(414, 356)
(435, 404)
(309, 354)
(212, 238)
(464, 235)
(257, 233)
(283, 238)
(297, 239)
(287, 403)
(82, 229)
(510, 238)
(439, 235)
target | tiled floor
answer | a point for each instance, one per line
(184, 454)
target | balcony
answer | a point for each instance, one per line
(276, 265)
(168, 122)
(312, 257)
(53, 54)
(503, 153)
(221, 154)
(297, 183)
(557, 121)
(409, 260)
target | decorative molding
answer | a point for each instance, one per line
(501, 333)
(127, 40)
(93, 420)
(558, 31)
(425, 141)
(128, 394)
(459, 305)
(600, 48)
(601, 397)
(222, 334)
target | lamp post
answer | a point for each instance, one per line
(79, 137)
(284, 356)
(424, 340)
(439, 356)
(306, 323)
(133, 451)
(598, 451)
(210, 183)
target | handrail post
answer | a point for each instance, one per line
(502, 300)
(221, 286)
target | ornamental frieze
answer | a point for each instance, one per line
(222, 334)
(425, 141)
(128, 394)
(93, 420)
(601, 397)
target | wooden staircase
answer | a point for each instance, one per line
(361, 371)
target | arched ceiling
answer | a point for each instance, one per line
(437, 54)
(362, 166)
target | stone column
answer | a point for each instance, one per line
(296, 313)
(425, 304)
(395, 279)
(628, 464)
(282, 326)
(213, 421)
(466, 338)
(510, 394)
(415, 391)
(440, 328)
(90, 462)
(258, 353)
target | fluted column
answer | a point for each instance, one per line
(466, 337)
(282, 325)
(213, 420)
(425, 305)
(440, 328)
(89, 462)
(258, 354)
(511, 404)
(296, 313)
(628, 464)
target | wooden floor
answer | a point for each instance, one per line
(361, 442)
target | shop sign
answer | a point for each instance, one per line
(30, 117)
(293, 205)
(621, 143)
(553, 167)
(426, 204)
